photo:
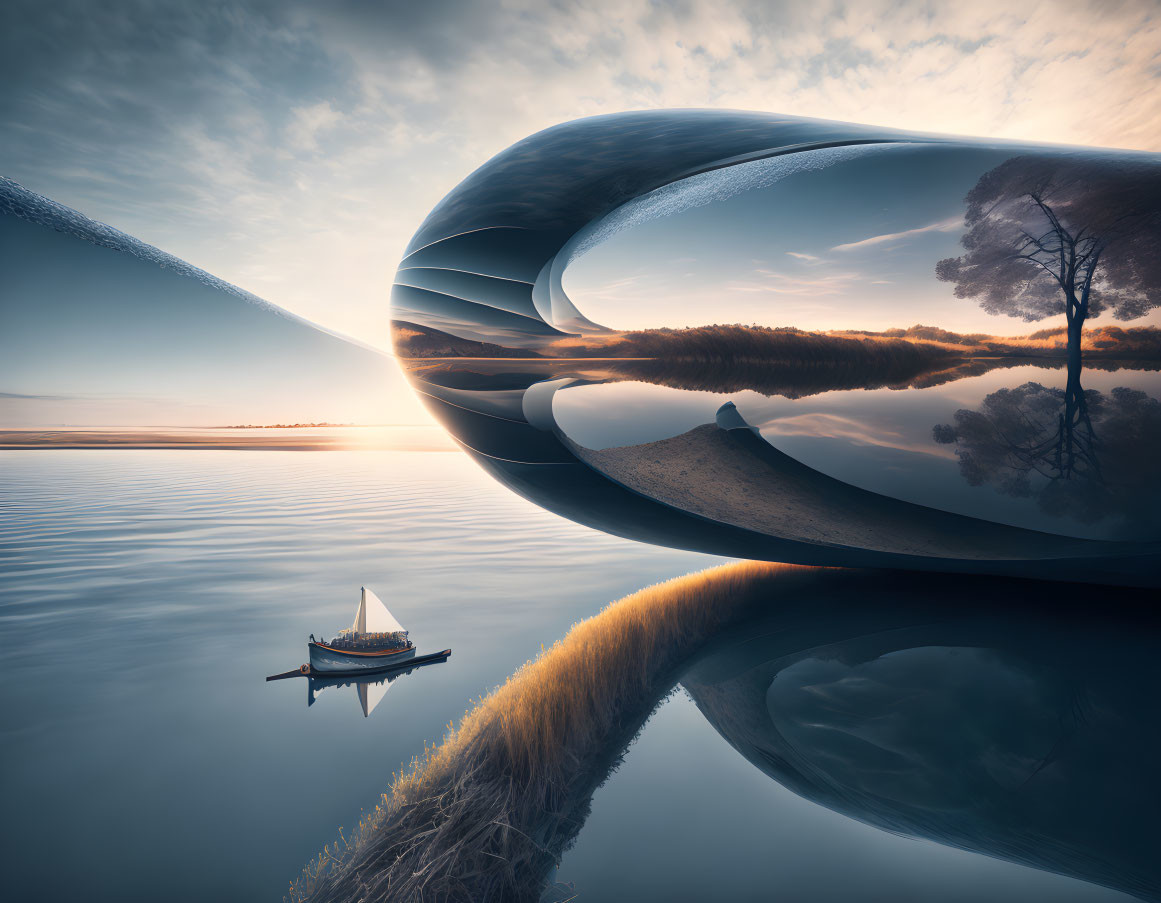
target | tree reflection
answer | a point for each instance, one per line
(1079, 453)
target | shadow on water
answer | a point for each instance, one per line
(1021, 722)
(1014, 719)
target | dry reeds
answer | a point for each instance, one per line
(486, 814)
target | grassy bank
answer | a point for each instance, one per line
(486, 814)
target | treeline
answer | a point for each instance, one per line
(280, 426)
(1133, 343)
(761, 345)
(1142, 342)
(904, 350)
(410, 340)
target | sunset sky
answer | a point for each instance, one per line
(293, 148)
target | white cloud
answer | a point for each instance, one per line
(310, 122)
(774, 282)
(947, 225)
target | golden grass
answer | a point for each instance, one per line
(487, 813)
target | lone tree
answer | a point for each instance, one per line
(1064, 234)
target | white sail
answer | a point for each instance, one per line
(373, 616)
(379, 619)
(360, 625)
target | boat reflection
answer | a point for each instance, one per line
(369, 688)
(1023, 725)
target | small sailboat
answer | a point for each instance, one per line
(374, 642)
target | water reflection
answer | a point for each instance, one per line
(1023, 730)
(369, 688)
(1080, 454)
(1015, 719)
(780, 483)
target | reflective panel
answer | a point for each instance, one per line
(734, 368)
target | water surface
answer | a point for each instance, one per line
(146, 594)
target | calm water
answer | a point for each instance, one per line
(882, 440)
(145, 595)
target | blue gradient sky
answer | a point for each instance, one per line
(852, 244)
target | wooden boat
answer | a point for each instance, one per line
(371, 687)
(432, 658)
(374, 642)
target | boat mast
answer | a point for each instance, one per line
(360, 625)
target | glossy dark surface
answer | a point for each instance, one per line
(1018, 721)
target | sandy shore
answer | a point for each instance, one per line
(737, 478)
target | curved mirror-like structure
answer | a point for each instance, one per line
(759, 389)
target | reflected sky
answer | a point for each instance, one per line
(147, 595)
(850, 243)
(863, 481)
(206, 572)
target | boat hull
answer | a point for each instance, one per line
(324, 659)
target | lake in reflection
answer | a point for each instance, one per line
(964, 466)
(884, 440)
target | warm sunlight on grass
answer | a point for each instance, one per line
(488, 813)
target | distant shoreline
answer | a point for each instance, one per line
(408, 438)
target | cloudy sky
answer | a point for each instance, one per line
(293, 148)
